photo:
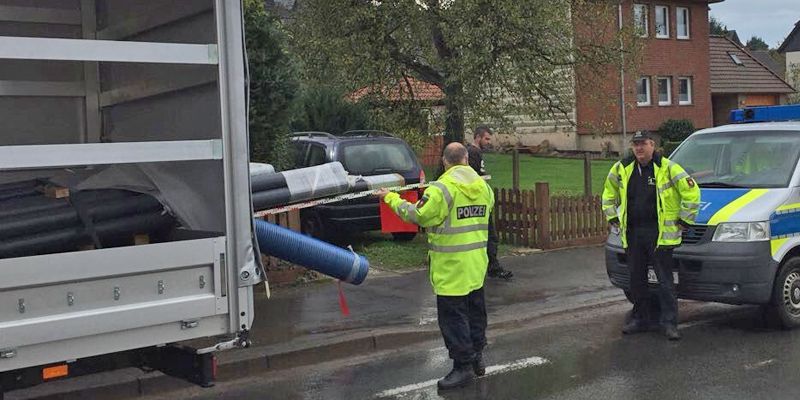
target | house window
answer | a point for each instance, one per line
(684, 91)
(640, 19)
(662, 22)
(736, 59)
(683, 22)
(664, 91)
(643, 91)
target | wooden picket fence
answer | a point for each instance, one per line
(533, 218)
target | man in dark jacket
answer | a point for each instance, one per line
(482, 139)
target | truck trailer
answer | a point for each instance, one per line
(145, 97)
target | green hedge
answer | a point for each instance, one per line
(676, 130)
(668, 147)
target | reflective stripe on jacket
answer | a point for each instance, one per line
(678, 197)
(455, 210)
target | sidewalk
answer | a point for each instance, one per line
(304, 325)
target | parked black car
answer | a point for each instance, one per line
(361, 153)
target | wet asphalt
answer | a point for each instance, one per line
(727, 352)
(564, 278)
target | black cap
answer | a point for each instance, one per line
(641, 135)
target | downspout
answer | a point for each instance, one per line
(623, 113)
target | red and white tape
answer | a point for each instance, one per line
(328, 200)
(342, 197)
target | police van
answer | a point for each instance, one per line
(745, 245)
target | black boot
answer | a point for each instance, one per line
(671, 332)
(634, 326)
(478, 366)
(496, 271)
(459, 376)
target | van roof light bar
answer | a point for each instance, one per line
(766, 114)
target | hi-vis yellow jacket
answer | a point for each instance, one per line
(678, 197)
(455, 210)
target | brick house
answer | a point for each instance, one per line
(672, 81)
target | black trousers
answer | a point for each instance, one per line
(462, 321)
(642, 251)
(491, 245)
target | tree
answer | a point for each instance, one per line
(491, 59)
(793, 77)
(716, 27)
(756, 43)
(273, 85)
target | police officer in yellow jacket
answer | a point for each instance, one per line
(650, 200)
(455, 211)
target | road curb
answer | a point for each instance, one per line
(135, 383)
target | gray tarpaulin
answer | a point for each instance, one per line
(257, 169)
(317, 181)
(189, 191)
(376, 181)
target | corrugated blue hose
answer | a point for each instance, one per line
(311, 253)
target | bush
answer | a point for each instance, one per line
(676, 130)
(667, 147)
(326, 109)
(273, 86)
(406, 121)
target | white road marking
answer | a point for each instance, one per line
(490, 370)
(427, 320)
(758, 365)
(407, 388)
(429, 316)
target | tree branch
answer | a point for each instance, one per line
(426, 72)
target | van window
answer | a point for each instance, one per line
(754, 159)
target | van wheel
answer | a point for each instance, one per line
(786, 294)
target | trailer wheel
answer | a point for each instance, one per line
(786, 294)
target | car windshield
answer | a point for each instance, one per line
(376, 158)
(757, 159)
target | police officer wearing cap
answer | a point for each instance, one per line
(649, 201)
(455, 211)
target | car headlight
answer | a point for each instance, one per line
(742, 232)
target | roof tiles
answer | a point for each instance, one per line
(751, 77)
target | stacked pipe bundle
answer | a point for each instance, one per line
(270, 190)
(18, 189)
(292, 186)
(32, 224)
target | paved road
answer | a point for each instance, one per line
(727, 353)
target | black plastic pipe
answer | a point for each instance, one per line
(270, 198)
(263, 182)
(97, 210)
(68, 239)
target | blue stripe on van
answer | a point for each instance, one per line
(785, 224)
(712, 200)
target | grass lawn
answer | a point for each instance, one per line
(384, 253)
(565, 175)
